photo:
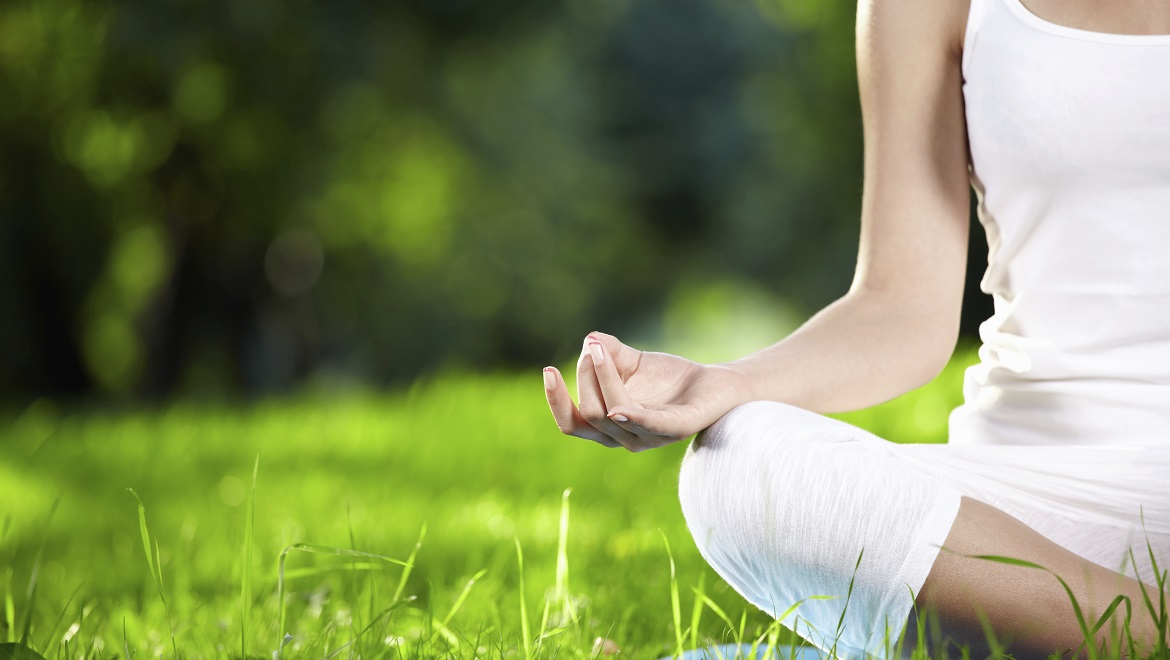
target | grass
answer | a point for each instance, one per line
(430, 521)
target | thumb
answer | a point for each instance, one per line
(665, 422)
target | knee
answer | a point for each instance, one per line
(757, 426)
(758, 489)
(758, 456)
(746, 448)
(784, 503)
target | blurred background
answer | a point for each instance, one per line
(208, 199)
(337, 240)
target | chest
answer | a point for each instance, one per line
(1064, 110)
(1109, 16)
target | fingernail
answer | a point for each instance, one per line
(619, 418)
(550, 379)
(595, 351)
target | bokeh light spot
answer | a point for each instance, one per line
(418, 198)
(231, 491)
(201, 95)
(138, 264)
(721, 318)
(21, 35)
(113, 352)
(104, 147)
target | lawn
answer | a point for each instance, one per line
(347, 484)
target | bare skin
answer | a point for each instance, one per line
(1028, 609)
(892, 331)
(1117, 17)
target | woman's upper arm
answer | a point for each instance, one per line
(915, 199)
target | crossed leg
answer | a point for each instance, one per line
(789, 506)
(1027, 608)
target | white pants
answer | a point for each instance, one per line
(789, 507)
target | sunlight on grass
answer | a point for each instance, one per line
(432, 521)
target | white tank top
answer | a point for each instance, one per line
(1069, 132)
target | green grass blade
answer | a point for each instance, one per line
(281, 576)
(314, 571)
(353, 577)
(715, 608)
(792, 608)
(446, 633)
(993, 643)
(158, 573)
(526, 634)
(792, 639)
(742, 626)
(31, 598)
(408, 565)
(697, 612)
(463, 595)
(54, 630)
(543, 625)
(1109, 613)
(848, 598)
(1081, 623)
(9, 607)
(1142, 585)
(384, 614)
(144, 532)
(675, 606)
(246, 569)
(1088, 634)
(551, 632)
(561, 590)
(33, 578)
(9, 601)
(154, 563)
(772, 640)
(317, 549)
(1011, 561)
(1162, 619)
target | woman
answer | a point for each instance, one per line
(1058, 114)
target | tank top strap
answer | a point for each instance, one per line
(976, 14)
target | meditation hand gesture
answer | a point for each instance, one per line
(637, 399)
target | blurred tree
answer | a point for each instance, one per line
(223, 197)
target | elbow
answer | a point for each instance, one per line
(924, 329)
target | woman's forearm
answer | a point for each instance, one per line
(861, 350)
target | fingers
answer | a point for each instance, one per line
(564, 411)
(613, 390)
(608, 414)
(593, 400)
(620, 408)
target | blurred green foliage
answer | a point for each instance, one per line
(206, 198)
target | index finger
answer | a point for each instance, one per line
(565, 412)
(613, 390)
(615, 395)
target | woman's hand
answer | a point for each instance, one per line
(640, 400)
